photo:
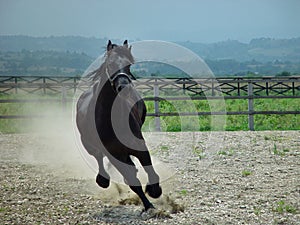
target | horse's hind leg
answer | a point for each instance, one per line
(102, 178)
(129, 172)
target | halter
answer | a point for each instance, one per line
(111, 80)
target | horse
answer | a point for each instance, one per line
(109, 118)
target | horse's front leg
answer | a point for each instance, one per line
(153, 188)
(102, 178)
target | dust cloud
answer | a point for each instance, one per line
(53, 146)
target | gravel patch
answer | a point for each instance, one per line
(211, 177)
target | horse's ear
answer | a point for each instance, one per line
(125, 43)
(109, 46)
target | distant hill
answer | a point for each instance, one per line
(50, 55)
(261, 49)
(43, 63)
(90, 46)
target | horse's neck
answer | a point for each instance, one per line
(106, 93)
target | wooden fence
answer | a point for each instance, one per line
(158, 90)
(212, 86)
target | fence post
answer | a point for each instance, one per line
(156, 106)
(64, 98)
(74, 84)
(250, 107)
(44, 85)
(212, 87)
(293, 88)
(16, 82)
(239, 87)
(184, 85)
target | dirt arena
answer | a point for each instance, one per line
(207, 178)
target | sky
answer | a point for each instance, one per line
(203, 21)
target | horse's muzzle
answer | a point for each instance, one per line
(121, 82)
(120, 87)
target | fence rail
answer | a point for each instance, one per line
(158, 90)
(206, 86)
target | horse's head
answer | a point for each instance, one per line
(118, 62)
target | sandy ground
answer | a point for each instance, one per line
(207, 178)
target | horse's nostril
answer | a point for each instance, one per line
(119, 88)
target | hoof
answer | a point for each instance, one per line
(102, 181)
(154, 213)
(148, 214)
(150, 206)
(154, 190)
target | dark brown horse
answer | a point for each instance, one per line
(109, 118)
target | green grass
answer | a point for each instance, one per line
(233, 122)
(229, 152)
(183, 192)
(257, 211)
(246, 173)
(170, 123)
(51, 108)
(282, 207)
(199, 152)
(280, 152)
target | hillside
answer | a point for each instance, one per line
(70, 55)
(43, 63)
(261, 49)
(89, 46)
